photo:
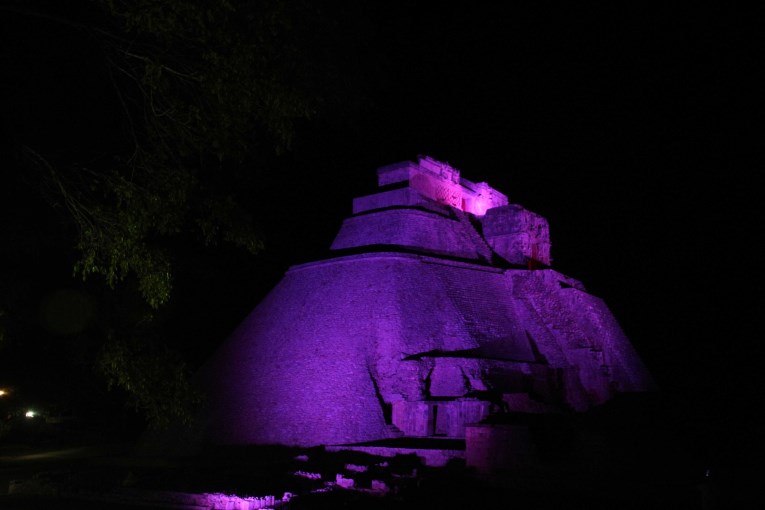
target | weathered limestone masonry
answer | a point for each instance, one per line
(438, 310)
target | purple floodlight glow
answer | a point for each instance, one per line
(428, 326)
(441, 183)
(221, 501)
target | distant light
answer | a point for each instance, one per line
(3, 392)
(30, 414)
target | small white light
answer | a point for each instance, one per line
(2, 392)
(30, 414)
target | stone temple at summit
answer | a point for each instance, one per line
(436, 310)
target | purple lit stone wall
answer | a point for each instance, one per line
(419, 326)
(517, 234)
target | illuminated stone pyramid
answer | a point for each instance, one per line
(437, 310)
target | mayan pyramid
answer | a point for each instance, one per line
(438, 308)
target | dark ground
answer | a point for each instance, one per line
(627, 457)
(95, 477)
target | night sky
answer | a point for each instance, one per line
(630, 128)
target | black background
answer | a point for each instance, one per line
(630, 128)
